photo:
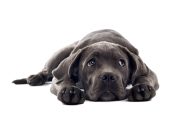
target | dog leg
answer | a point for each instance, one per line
(46, 74)
(144, 88)
(69, 94)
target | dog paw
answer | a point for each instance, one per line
(35, 80)
(141, 92)
(71, 96)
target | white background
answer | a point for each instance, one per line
(32, 30)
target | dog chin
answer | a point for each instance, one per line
(107, 96)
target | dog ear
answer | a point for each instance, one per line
(73, 69)
(137, 67)
(68, 68)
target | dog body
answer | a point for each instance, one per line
(99, 68)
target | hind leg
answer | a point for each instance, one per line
(39, 79)
(46, 74)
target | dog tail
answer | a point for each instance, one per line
(35, 80)
(20, 81)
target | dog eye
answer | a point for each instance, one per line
(92, 62)
(121, 62)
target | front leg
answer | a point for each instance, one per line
(66, 78)
(71, 95)
(144, 88)
(141, 92)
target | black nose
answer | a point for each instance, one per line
(108, 77)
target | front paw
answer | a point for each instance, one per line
(71, 95)
(141, 92)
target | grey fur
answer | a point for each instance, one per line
(74, 81)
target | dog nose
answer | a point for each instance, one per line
(108, 77)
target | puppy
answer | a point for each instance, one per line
(98, 68)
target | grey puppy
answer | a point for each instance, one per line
(98, 68)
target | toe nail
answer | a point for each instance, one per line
(138, 90)
(71, 91)
(142, 89)
(74, 92)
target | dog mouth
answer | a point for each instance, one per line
(107, 96)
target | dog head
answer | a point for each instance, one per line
(102, 69)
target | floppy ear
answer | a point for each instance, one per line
(137, 66)
(68, 68)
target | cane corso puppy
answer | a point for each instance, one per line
(98, 68)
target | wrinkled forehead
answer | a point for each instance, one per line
(104, 50)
